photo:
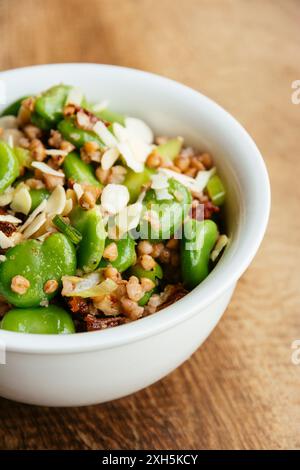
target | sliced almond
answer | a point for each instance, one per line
(56, 152)
(114, 198)
(105, 135)
(68, 207)
(159, 181)
(78, 190)
(138, 128)
(40, 208)
(10, 219)
(44, 168)
(57, 201)
(21, 201)
(75, 96)
(129, 158)
(109, 157)
(129, 217)
(5, 242)
(35, 225)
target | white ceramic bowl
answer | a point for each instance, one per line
(90, 368)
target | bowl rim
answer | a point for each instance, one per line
(203, 295)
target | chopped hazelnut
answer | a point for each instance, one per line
(134, 289)
(147, 262)
(19, 284)
(50, 286)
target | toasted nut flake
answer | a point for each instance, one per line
(67, 146)
(147, 262)
(34, 183)
(37, 150)
(90, 152)
(19, 284)
(117, 174)
(32, 132)
(207, 160)
(182, 163)
(131, 309)
(52, 181)
(102, 175)
(144, 247)
(157, 249)
(153, 161)
(147, 284)
(111, 252)
(108, 304)
(50, 286)
(112, 273)
(196, 163)
(134, 289)
(89, 197)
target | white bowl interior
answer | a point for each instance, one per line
(170, 109)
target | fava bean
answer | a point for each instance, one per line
(162, 218)
(110, 116)
(13, 108)
(37, 262)
(126, 254)
(75, 135)
(79, 171)
(216, 190)
(134, 182)
(170, 149)
(9, 166)
(91, 247)
(40, 320)
(198, 241)
(50, 104)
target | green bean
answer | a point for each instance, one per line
(37, 262)
(198, 241)
(9, 168)
(79, 171)
(40, 320)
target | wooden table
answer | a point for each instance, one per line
(241, 389)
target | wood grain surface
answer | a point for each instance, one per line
(241, 389)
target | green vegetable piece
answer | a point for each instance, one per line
(75, 135)
(38, 262)
(167, 215)
(9, 166)
(41, 122)
(170, 149)
(134, 182)
(50, 104)
(71, 232)
(155, 274)
(216, 190)
(110, 116)
(50, 320)
(13, 108)
(126, 254)
(198, 241)
(79, 171)
(38, 196)
(23, 156)
(90, 225)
